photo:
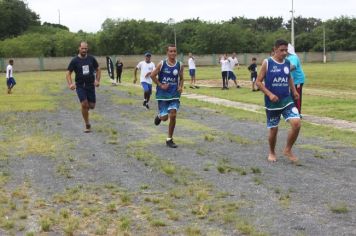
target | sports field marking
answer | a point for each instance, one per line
(325, 121)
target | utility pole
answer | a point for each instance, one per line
(324, 46)
(171, 22)
(59, 16)
(292, 23)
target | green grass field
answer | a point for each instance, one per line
(329, 90)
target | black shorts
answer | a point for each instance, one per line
(253, 76)
(86, 93)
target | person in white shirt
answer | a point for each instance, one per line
(10, 81)
(225, 67)
(146, 67)
(192, 68)
(233, 62)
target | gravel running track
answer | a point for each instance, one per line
(217, 154)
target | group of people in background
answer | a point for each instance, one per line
(281, 79)
(227, 70)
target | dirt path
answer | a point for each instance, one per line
(217, 182)
(335, 123)
(307, 91)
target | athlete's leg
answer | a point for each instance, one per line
(13, 83)
(172, 122)
(272, 140)
(235, 83)
(292, 137)
(85, 111)
(223, 76)
(91, 105)
(191, 82)
(164, 118)
(273, 118)
(298, 103)
(8, 86)
(149, 92)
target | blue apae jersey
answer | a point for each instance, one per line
(168, 75)
(277, 81)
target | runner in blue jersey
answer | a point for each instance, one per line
(169, 88)
(278, 86)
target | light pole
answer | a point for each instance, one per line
(171, 21)
(324, 47)
(292, 23)
(59, 16)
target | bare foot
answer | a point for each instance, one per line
(272, 158)
(290, 156)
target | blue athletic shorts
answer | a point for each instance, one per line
(231, 75)
(146, 87)
(192, 72)
(274, 116)
(86, 93)
(165, 106)
(10, 82)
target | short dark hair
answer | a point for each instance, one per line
(170, 46)
(254, 59)
(280, 42)
(11, 61)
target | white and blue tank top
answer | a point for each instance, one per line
(277, 81)
(169, 75)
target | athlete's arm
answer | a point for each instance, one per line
(181, 79)
(261, 86)
(70, 83)
(135, 75)
(293, 89)
(238, 64)
(154, 74)
(98, 77)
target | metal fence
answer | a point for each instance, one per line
(129, 61)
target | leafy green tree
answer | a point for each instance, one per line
(16, 18)
(304, 25)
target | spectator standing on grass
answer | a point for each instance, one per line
(231, 75)
(87, 77)
(297, 75)
(278, 86)
(146, 67)
(192, 70)
(170, 83)
(225, 67)
(118, 65)
(10, 81)
(253, 71)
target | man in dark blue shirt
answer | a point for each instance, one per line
(87, 77)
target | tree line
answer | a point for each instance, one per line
(22, 35)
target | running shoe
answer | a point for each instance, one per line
(87, 128)
(157, 120)
(171, 144)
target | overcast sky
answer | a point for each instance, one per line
(88, 15)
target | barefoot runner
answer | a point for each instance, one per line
(275, 72)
